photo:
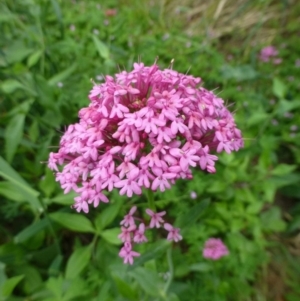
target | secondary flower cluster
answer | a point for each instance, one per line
(214, 249)
(131, 233)
(143, 129)
(268, 53)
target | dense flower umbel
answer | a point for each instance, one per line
(214, 249)
(143, 129)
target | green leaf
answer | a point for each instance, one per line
(33, 58)
(75, 222)
(32, 278)
(7, 189)
(257, 118)
(279, 88)
(64, 199)
(287, 106)
(55, 285)
(58, 13)
(60, 77)
(76, 288)
(46, 99)
(294, 224)
(104, 291)
(107, 216)
(11, 175)
(6, 16)
(283, 169)
(173, 297)
(239, 73)
(10, 285)
(21, 108)
(270, 189)
(11, 253)
(124, 288)
(2, 274)
(13, 135)
(101, 48)
(10, 85)
(272, 221)
(148, 280)
(111, 236)
(201, 267)
(34, 131)
(47, 184)
(54, 268)
(155, 251)
(184, 220)
(31, 230)
(78, 261)
(16, 52)
(255, 207)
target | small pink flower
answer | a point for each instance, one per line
(110, 12)
(193, 195)
(173, 232)
(139, 234)
(156, 219)
(128, 218)
(214, 249)
(277, 61)
(125, 236)
(127, 253)
(268, 52)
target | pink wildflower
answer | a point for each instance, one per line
(127, 253)
(156, 218)
(139, 235)
(145, 128)
(128, 218)
(277, 61)
(125, 236)
(193, 195)
(173, 232)
(214, 249)
(268, 52)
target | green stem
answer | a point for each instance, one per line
(151, 202)
(171, 270)
(56, 240)
(215, 284)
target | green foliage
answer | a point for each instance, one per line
(50, 49)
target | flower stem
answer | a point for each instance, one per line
(55, 237)
(171, 270)
(150, 197)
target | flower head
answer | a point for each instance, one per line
(139, 235)
(128, 218)
(173, 233)
(127, 254)
(267, 53)
(126, 233)
(214, 249)
(142, 129)
(193, 195)
(156, 218)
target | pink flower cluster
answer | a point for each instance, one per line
(143, 129)
(269, 52)
(214, 249)
(131, 233)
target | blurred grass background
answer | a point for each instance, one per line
(50, 50)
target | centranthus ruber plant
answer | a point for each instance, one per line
(142, 129)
